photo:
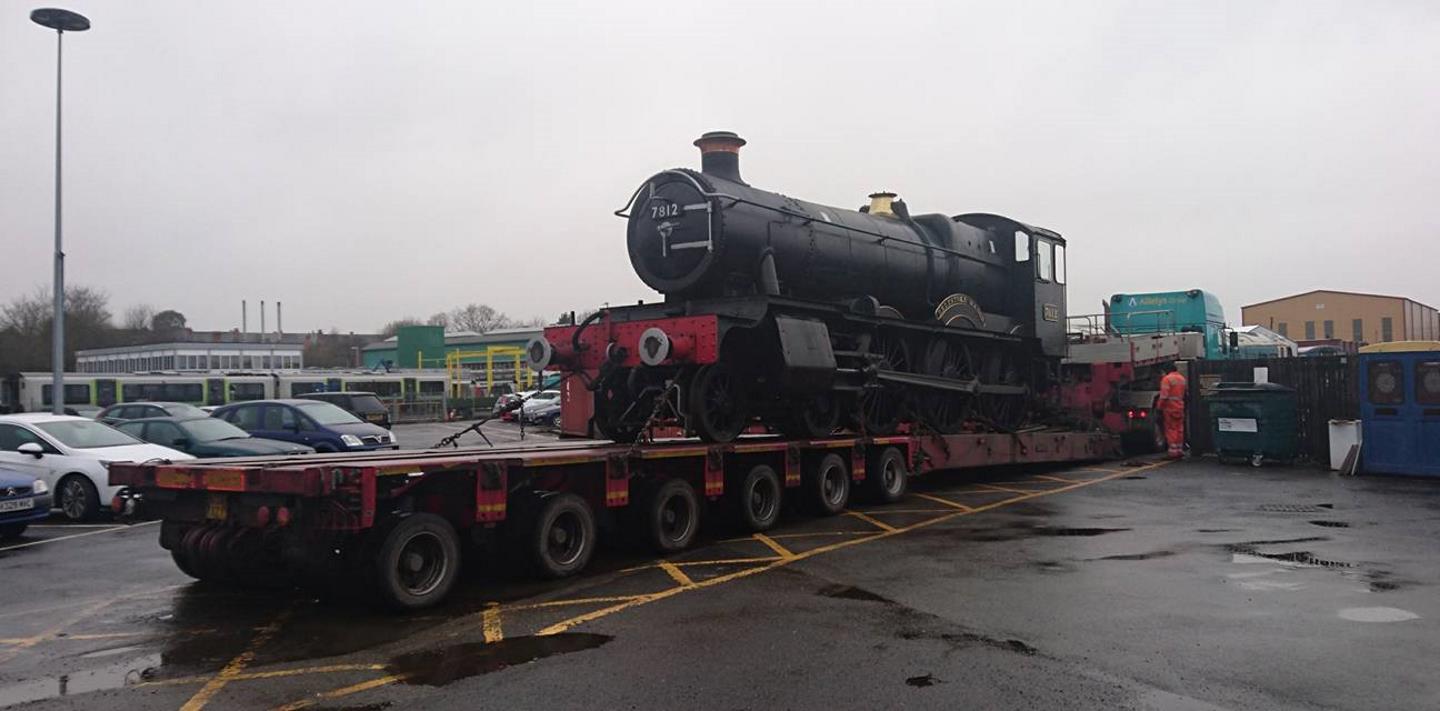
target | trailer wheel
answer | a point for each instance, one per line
(417, 562)
(672, 516)
(562, 536)
(186, 551)
(756, 500)
(828, 482)
(888, 477)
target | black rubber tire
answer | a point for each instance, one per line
(755, 500)
(182, 561)
(670, 517)
(887, 477)
(561, 537)
(426, 546)
(827, 485)
(71, 487)
(12, 531)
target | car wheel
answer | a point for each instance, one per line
(79, 500)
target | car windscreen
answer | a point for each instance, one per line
(84, 434)
(366, 403)
(209, 429)
(326, 414)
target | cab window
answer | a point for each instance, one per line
(1059, 264)
(1022, 246)
(1044, 261)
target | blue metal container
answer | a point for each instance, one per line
(1400, 410)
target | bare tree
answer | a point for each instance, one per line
(137, 317)
(26, 323)
(479, 318)
(441, 319)
(389, 329)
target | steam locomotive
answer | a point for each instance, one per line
(806, 318)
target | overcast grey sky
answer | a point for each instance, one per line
(362, 161)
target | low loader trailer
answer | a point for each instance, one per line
(394, 524)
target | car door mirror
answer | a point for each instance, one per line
(31, 448)
(182, 443)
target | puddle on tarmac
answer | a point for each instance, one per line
(1303, 559)
(1134, 478)
(850, 592)
(1048, 531)
(1330, 524)
(1140, 556)
(1376, 614)
(111, 676)
(438, 667)
(924, 680)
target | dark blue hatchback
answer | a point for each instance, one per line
(23, 500)
(321, 425)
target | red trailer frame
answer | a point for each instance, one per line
(323, 519)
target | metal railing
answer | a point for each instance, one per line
(1159, 321)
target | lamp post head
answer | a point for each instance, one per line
(60, 20)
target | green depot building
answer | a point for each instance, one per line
(479, 360)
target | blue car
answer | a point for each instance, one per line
(316, 424)
(23, 500)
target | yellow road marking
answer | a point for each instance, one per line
(236, 665)
(572, 601)
(811, 534)
(18, 546)
(685, 563)
(1060, 480)
(902, 511)
(490, 621)
(770, 543)
(992, 488)
(676, 573)
(564, 625)
(878, 524)
(947, 502)
(1102, 470)
(343, 691)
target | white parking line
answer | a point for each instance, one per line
(77, 535)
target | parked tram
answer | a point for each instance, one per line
(31, 392)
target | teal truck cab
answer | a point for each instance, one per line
(1193, 311)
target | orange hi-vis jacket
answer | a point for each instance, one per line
(1172, 391)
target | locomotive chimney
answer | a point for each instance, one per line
(720, 155)
(880, 204)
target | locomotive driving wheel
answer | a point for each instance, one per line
(814, 416)
(716, 406)
(881, 406)
(945, 410)
(1004, 412)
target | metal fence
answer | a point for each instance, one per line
(416, 411)
(1326, 389)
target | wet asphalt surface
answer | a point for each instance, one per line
(1125, 585)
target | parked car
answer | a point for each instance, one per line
(71, 455)
(316, 424)
(141, 410)
(206, 437)
(507, 400)
(543, 398)
(24, 499)
(547, 413)
(366, 406)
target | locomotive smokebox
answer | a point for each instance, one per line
(720, 155)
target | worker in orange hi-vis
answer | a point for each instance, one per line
(1172, 408)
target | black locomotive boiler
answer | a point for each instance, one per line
(807, 318)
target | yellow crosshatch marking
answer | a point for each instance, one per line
(878, 524)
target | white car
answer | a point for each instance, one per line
(71, 455)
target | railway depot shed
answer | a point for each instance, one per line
(1326, 314)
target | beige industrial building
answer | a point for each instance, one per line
(1326, 315)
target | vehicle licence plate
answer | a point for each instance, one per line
(17, 505)
(216, 509)
(374, 417)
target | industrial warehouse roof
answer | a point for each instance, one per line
(1336, 291)
(469, 338)
(190, 346)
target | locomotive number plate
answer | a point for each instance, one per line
(1051, 312)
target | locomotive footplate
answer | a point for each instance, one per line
(972, 386)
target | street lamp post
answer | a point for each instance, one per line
(61, 21)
